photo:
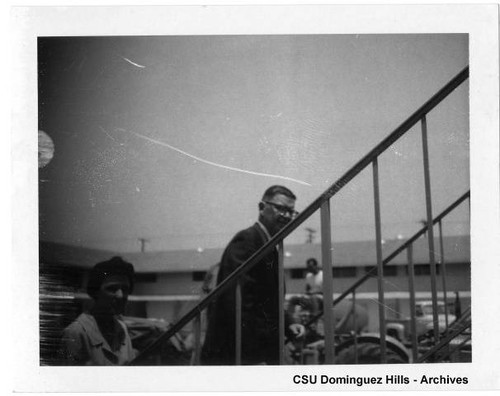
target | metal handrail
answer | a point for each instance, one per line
(459, 327)
(311, 209)
(391, 256)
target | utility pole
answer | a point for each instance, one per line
(143, 242)
(424, 224)
(310, 235)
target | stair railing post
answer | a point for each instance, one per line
(281, 303)
(380, 264)
(430, 228)
(238, 323)
(197, 339)
(355, 326)
(326, 251)
(443, 272)
(443, 278)
(411, 287)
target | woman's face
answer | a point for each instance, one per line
(113, 295)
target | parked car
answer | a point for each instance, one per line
(424, 321)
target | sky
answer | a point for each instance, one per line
(174, 138)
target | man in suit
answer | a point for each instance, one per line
(259, 291)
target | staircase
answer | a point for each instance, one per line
(441, 345)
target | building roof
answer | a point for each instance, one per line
(73, 256)
(355, 253)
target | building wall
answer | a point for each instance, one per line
(395, 287)
(458, 278)
(169, 284)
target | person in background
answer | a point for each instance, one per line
(314, 284)
(100, 337)
(259, 291)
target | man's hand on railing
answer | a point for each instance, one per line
(297, 330)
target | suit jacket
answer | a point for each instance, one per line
(260, 306)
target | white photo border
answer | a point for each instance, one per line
(28, 23)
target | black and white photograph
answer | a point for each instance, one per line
(219, 190)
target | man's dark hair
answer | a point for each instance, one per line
(274, 190)
(114, 266)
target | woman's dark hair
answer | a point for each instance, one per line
(114, 266)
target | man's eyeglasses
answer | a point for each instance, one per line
(283, 210)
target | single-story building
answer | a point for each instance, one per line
(169, 283)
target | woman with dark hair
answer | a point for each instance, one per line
(100, 337)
